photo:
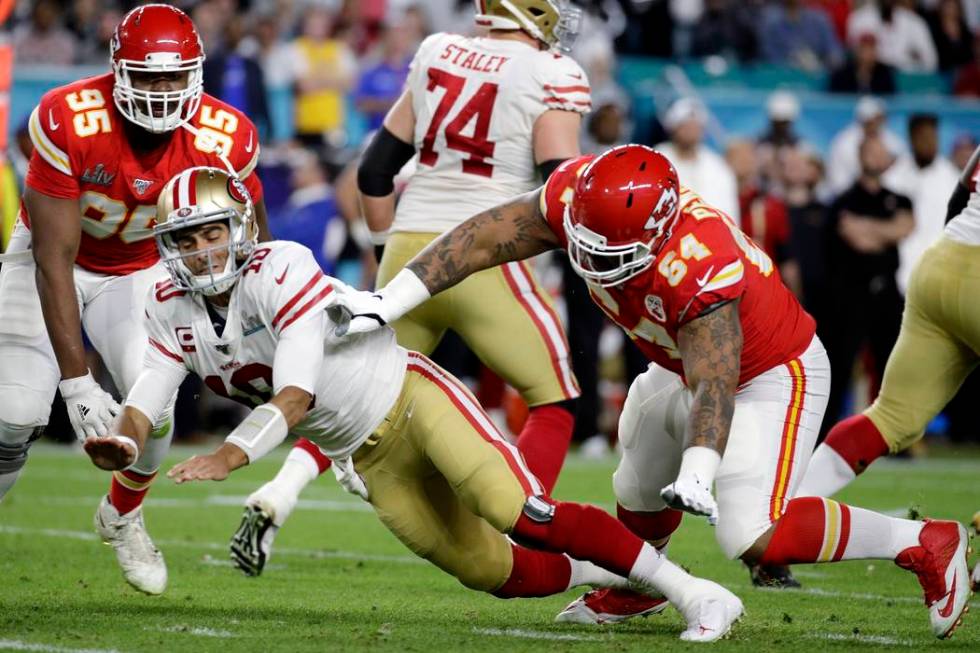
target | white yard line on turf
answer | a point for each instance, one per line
(222, 546)
(537, 634)
(17, 645)
(195, 630)
(864, 639)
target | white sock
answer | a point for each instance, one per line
(282, 492)
(874, 535)
(7, 481)
(586, 573)
(655, 575)
(826, 474)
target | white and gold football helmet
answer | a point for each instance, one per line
(198, 196)
(553, 22)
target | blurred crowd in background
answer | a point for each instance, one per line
(845, 220)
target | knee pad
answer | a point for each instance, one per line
(735, 536)
(485, 571)
(21, 413)
(650, 526)
(13, 456)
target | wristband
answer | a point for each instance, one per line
(125, 439)
(403, 293)
(702, 462)
(261, 432)
(378, 237)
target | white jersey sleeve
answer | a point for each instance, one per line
(163, 366)
(476, 101)
(296, 287)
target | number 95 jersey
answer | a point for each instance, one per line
(476, 101)
(706, 260)
(81, 151)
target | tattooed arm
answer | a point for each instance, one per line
(509, 232)
(711, 351)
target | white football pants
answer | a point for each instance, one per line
(774, 430)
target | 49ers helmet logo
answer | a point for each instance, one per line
(237, 190)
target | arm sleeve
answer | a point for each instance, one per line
(50, 169)
(299, 354)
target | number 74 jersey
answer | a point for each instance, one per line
(82, 152)
(706, 260)
(476, 101)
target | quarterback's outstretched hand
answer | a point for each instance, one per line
(111, 453)
(211, 467)
(90, 408)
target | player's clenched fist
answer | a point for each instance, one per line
(90, 408)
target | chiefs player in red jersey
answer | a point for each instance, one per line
(104, 147)
(739, 383)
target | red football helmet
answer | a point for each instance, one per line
(623, 208)
(157, 38)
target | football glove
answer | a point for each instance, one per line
(349, 479)
(90, 408)
(369, 311)
(690, 494)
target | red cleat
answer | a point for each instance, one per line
(610, 606)
(940, 563)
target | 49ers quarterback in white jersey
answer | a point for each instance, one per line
(475, 102)
(282, 289)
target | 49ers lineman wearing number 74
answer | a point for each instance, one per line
(738, 388)
(104, 147)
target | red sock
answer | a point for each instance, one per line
(127, 490)
(544, 442)
(858, 441)
(535, 573)
(322, 462)
(585, 533)
(800, 534)
(651, 526)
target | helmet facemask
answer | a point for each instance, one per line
(602, 264)
(241, 243)
(555, 23)
(138, 105)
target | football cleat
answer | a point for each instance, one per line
(940, 564)
(251, 545)
(691, 495)
(610, 606)
(710, 611)
(773, 576)
(142, 563)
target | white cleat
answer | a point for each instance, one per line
(691, 495)
(710, 611)
(142, 563)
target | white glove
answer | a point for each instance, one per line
(690, 494)
(90, 408)
(349, 479)
(369, 311)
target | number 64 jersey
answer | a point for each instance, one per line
(705, 261)
(475, 102)
(277, 333)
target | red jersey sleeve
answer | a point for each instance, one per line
(557, 193)
(50, 169)
(245, 156)
(709, 267)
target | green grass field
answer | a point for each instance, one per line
(339, 581)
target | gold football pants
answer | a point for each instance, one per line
(443, 479)
(502, 314)
(937, 346)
